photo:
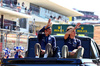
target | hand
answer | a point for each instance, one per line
(77, 26)
(71, 53)
(75, 50)
(42, 51)
(49, 22)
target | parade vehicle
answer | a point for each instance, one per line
(91, 55)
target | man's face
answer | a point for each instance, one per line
(48, 31)
(73, 33)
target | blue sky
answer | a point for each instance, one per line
(86, 5)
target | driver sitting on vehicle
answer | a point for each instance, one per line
(47, 43)
(72, 47)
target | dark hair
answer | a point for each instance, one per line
(68, 29)
(59, 17)
(47, 28)
(50, 16)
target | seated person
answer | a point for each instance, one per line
(72, 47)
(18, 50)
(7, 53)
(47, 43)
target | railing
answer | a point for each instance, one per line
(16, 9)
(22, 10)
(47, 18)
(29, 12)
(12, 45)
(1, 55)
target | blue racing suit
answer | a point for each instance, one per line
(44, 40)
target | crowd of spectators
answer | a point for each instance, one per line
(59, 19)
(17, 7)
(17, 52)
(20, 7)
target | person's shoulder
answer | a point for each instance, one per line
(67, 38)
(77, 39)
(52, 36)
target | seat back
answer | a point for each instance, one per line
(31, 43)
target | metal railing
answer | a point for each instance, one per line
(18, 34)
(15, 8)
(1, 55)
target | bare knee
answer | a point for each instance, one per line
(65, 46)
(37, 44)
(49, 44)
(81, 48)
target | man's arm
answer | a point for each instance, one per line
(79, 47)
(67, 33)
(48, 24)
(70, 30)
(79, 44)
(43, 29)
(54, 43)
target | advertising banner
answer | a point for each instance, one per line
(84, 30)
